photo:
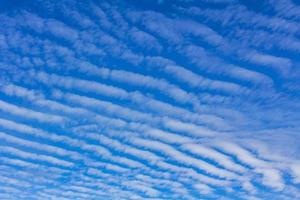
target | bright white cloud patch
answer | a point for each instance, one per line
(135, 99)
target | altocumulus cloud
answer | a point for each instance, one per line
(132, 99)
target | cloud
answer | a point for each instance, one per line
(181, 100)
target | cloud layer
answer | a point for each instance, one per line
(150, 100)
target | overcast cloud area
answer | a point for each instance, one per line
(145, 99)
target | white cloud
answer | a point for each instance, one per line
(142, 102)
(30, 114)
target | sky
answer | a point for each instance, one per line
(147, 99)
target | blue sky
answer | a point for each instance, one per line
(175, 100)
